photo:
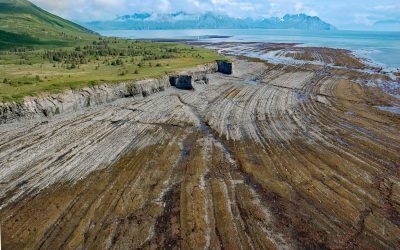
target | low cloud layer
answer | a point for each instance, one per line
(344, 14)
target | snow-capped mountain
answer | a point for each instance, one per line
(183, 20)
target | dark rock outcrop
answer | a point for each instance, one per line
(225, 67)
(182, 81)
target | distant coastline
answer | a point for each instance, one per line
(380, 47)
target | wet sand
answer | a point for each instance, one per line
(277, 155)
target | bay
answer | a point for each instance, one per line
(381, 48)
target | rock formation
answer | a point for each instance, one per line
(225, 67)
(275, 156)
(182, 81)
(74, 100)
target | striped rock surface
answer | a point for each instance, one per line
(274, 156)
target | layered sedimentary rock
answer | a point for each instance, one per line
(182, 81)
(273, 156)
(225, 67)
(74, 100)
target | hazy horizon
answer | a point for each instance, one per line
(355, 15)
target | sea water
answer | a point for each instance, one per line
(382, 48)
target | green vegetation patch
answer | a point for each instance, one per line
(23, 42)
(24, 24)
(29, 72)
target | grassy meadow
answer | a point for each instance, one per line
(43, 53)
(28, 72)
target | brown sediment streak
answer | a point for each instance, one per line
(274, 156)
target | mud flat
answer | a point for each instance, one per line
(277, 155)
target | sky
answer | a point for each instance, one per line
(344, 14)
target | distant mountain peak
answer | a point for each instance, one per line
(135, 16)
(141, 15)
(210, 20)
(180, 13)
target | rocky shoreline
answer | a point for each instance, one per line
(296, 55)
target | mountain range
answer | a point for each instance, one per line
(209, 20)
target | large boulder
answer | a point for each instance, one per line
(225, 67)
(182, 81)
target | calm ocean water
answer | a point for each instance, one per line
(381, 47)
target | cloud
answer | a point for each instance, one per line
(301, 8)
(363, 19)
(346, 14)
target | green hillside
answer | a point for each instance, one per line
(24, 24)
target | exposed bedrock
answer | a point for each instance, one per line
(182, 81)
(74, 100)
(225, 67)
(272, 157)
